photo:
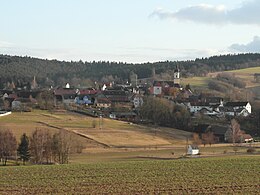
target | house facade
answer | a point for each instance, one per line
(238, 108)
(193, 150)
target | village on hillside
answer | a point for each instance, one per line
(123, 101)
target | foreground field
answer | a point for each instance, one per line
(229, 175)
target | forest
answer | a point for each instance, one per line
(23, 69)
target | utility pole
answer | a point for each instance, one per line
(100, 122)
(187, 142)
(258, 123)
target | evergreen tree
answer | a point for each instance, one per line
(23, 149)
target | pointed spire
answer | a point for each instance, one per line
(34, 83)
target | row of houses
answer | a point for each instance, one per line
(116, 97)
(216, 106)
(121, 97)
(111, 97)
(18, 100)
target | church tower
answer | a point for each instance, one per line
(176, 75)
(34, 84)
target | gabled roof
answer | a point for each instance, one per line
(103, 101)
(246, 136)
(213, 99)
(218, 129)
(194, 147)
(117, 95)
(166, 84)
(65, 91)
(114, 92)
(241, 110)
(88, 92)
(226, 109)
(235, 104)
(199, 104)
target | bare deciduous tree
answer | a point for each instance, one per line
(208, 138)
(40, 146)
(234, 133)
(196, 139)
(63, 144)
(48, 148)
(8, 145)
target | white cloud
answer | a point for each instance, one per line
(248, 13)
(253, 46)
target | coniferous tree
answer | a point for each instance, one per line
(23, 148)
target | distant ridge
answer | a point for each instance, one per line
(25, 68)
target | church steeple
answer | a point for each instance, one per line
(34, 83)
(176, 75)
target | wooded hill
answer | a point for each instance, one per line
(13, 68)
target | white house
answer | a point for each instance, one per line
(230, 108)
(196, 107)
(242, 112)
(193, 150)
(67, 86)
(237, 106)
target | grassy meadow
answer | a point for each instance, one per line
(197, 82)
(104, 135)
(246, 74)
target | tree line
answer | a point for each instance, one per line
(23, 69)
(163, 112)
(42, 147)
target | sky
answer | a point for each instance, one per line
(134, 31)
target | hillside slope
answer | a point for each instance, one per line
(112, 134)
(14, 68)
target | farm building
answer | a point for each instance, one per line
(193, 150)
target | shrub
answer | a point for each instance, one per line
(250, 150)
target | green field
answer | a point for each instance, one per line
(247, 75)
(247, 70)
(200, 82)
(225, 175)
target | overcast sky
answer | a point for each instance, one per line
(128, 30)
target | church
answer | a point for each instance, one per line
(167, 87)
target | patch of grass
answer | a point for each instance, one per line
(247, 75)
(247, 70)
(196, 81)
(113, 132)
